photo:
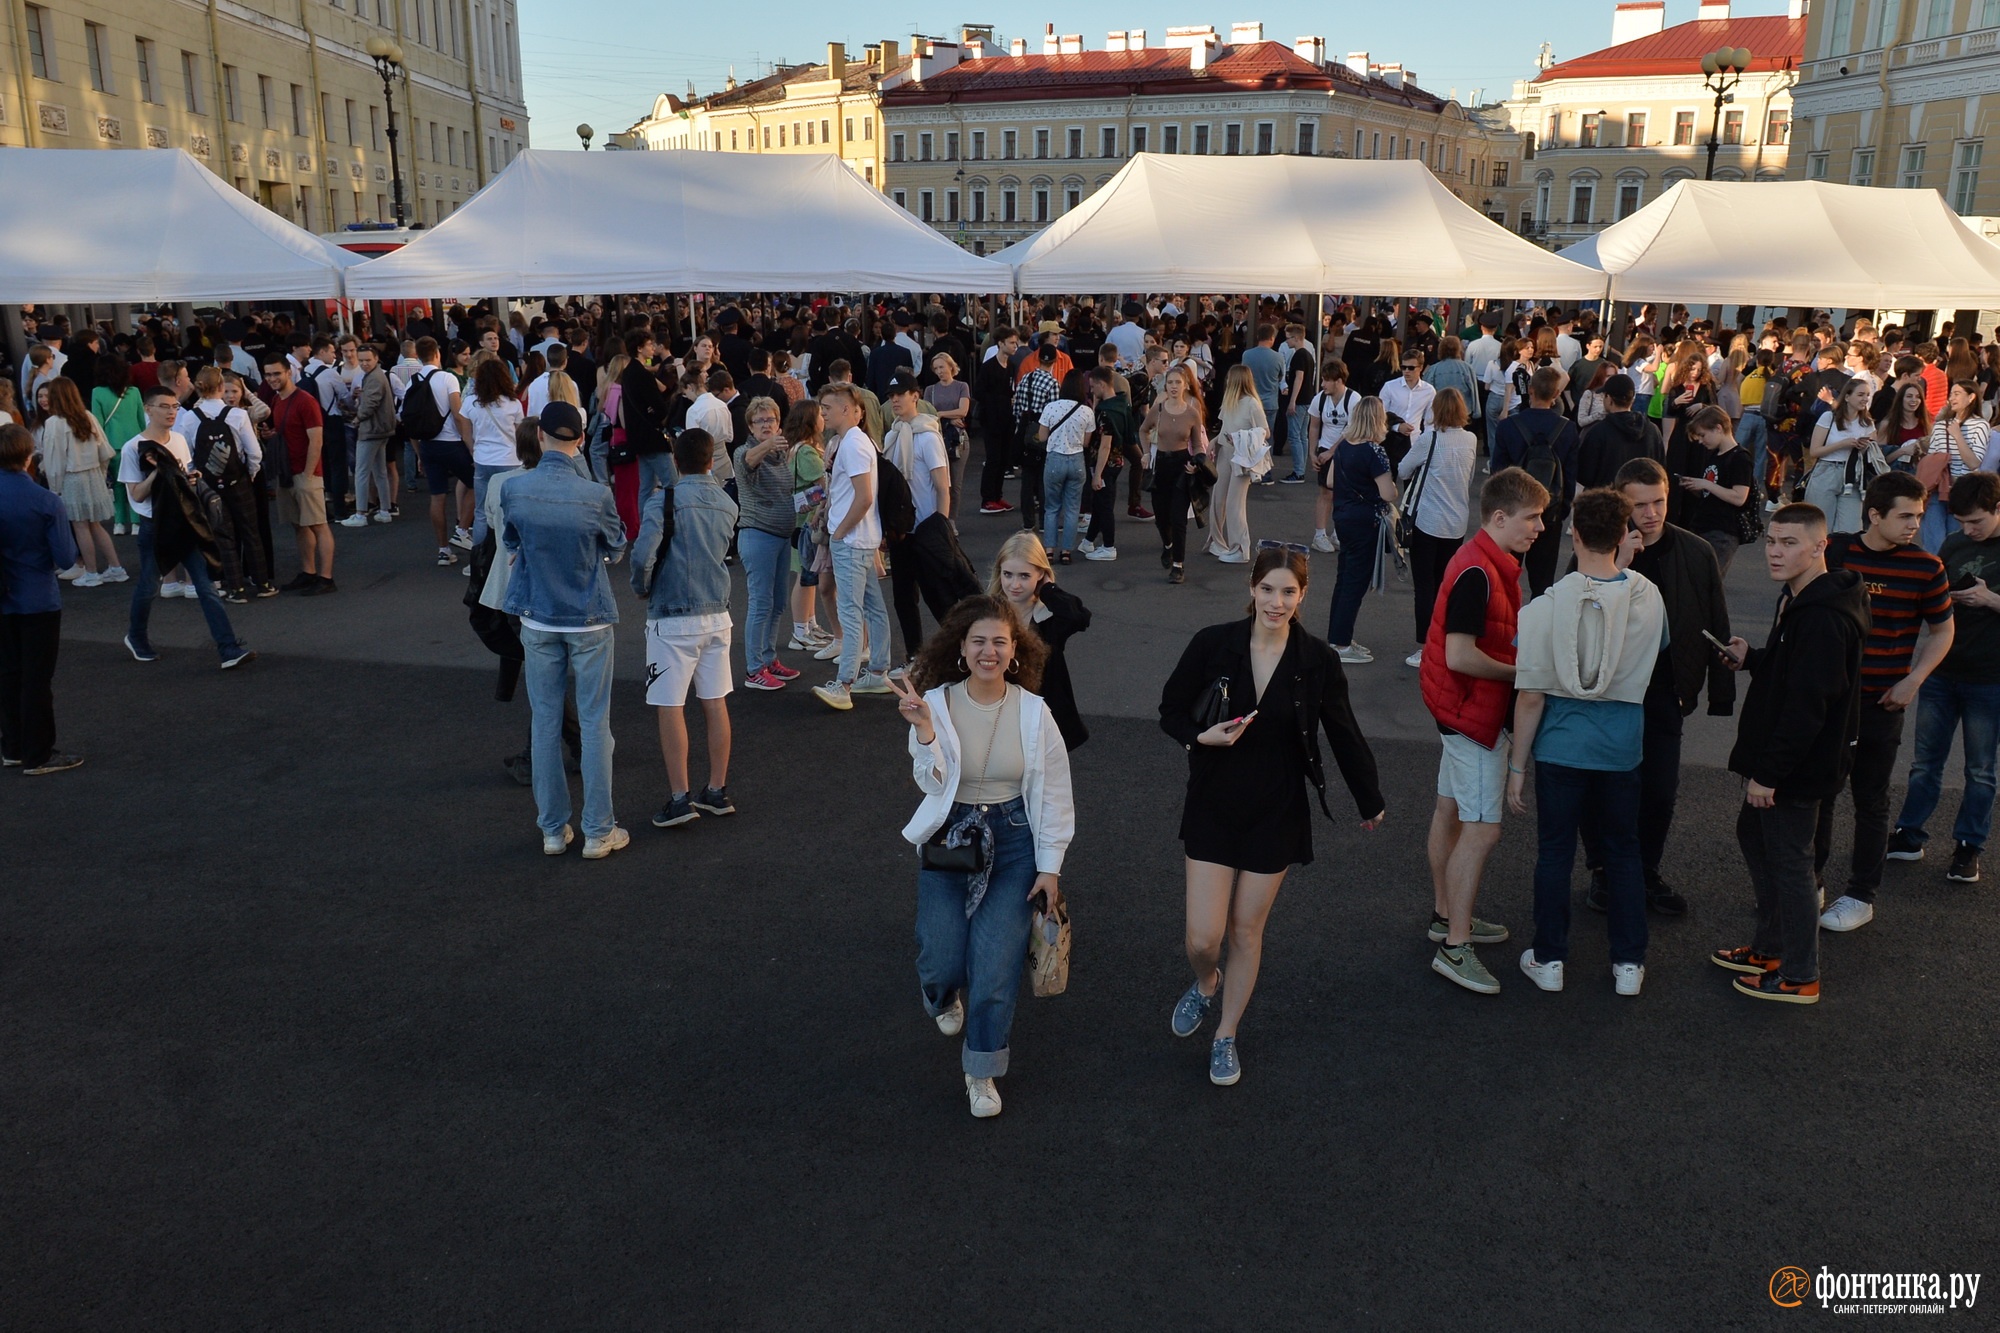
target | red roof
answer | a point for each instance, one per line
(1775, 42)
(1157, 69)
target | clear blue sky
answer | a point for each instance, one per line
(602, 62)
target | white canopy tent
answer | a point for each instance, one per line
(89, 225)
(677, 221)
(1796, 243)
(1287, 224)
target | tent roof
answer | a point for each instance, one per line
(676, 221)
(92, 224)
(1287, 224)
(1796, 243)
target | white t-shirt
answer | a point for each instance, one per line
(1130, 340)
(1568, 350)
(443, 384)
(853, 456)
(130, 473)
(493, 430)
(1481, 355)
(188, 427)
(1333, 413)
(538, 395)
(1079, 423)
(928, 447)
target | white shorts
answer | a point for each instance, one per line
(677, 658)
(1474, 776)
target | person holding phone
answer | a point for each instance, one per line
(996, 819)
(1246, 822)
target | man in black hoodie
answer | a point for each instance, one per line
(1622, 436)
(1794, 746)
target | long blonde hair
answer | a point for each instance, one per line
(562, 389)
(1369, 422)
(1026, 547)
(1241, 384)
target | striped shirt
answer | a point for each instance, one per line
(1906, 589)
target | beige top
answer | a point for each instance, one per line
(991, 763)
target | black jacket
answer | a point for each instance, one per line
(643, 404)
(1320, 691)
(1802, 711)
(1682, 566)
(1612, 443)
(1067, 616)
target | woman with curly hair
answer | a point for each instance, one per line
(991, 764)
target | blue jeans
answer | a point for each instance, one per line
(981, 956)
(767, 576)
(1564, 798)
(555, 662)
(1942, 706)
(1295, 437)
(1938, 524)
(1753, 432)
(1358, 539)
(482, 474)
(1062, 501)
(860, 599)
(146, 587)
(655, 471)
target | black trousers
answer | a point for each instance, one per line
(1102, 506)
(28, 645)
(928, 563)
(1659, 788)
(1030, 462)
(1428, 557)
(1777, 848)
(264, 497)
(1540, 561)
(1172, 488)
(1874, 765)
(999, 439)
(243, 542)
(334, 468)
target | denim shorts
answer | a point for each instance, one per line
(1474, 776)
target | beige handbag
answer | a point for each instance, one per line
(1048, 951)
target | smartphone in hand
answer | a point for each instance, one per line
(1722, 648)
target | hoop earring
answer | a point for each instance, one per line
(1013, 666)
(962, 666)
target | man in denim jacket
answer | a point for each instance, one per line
(561, 528)
(687, 622)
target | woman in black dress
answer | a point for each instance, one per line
(1023, 576)
(1247, 821)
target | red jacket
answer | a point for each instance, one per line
(1472, 705)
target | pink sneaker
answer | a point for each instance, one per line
(781, 671)
(762, 680)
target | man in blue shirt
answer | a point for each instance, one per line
(1542, 442)
(35, 542)
(1267, 370)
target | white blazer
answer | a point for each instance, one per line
(1045, 788)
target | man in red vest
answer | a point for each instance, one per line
(1468, 683)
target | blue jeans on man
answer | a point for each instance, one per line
(860, 600)
(655, 472)
(1296, 422)
(767, 577)
(1944, 707)
(146, 587)
(1753, 432)
(979, 956)
(1564, 798)
(1062, 501)
(555, 664)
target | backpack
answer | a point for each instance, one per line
(1539, 461)
(310, 380)
(893, 500)
(421, 419)
(214, 449)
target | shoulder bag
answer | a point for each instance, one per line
(1406, 521)
(1212, 706)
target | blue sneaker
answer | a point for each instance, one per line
(1223, 1067)
(677, 811)
(1194, 1006)
(714, 801)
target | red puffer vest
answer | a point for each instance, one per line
(1472, 705)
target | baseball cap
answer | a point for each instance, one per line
(561, 421)
(903, 382)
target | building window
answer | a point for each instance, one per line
(1201, 140)
(1375, 145)
(1628, 198)
(1071, 198)
(923, 148)
(1010, 144)
(1587, 130)
(1635, 129)
(451, 146)
(979, 205)
(1937, 21)
(1170, 138)
(353, 133)
(1840, 27)
(901, 197)
(1816, 166)
(924, 210)
(826, 131)
(302, 122)
(375, 130)
(1989, 14)
(1683, 129)
(1075, 143)
(232, 94)
(1582, 195)
(1965, 176)
(767, 136)
(1912, 177)
(847, 129)
(868, 172)
(1232, 139)
(1042, 204)
(1554, 136)
(1308, 137)
(951, 205)
(979, 145)
(895, 144)
(41, 50)
(1139, 131)
(867, 128)
(1267, 138)
(191, 76)
(1778, 127)
(809, 132)
(732, 141)
(438, 157)
(1107, 141)
(1732, 126)
(1009, 211)
(951, 147)
(1882, 22)
(1863, 171)
(100, 57)
(264, 93)
(1041, 143)
(1499, 175)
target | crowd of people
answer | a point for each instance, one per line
(1569, 609)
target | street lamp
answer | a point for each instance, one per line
(388, 58)
(1722, 70)
(585, 133)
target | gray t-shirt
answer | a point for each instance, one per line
(764, 493)
(1267, 368)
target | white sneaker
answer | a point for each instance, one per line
(115, 574)
(873, 682)
(828, 652)
(384, 516)
(171, 589)
(1549, 976)
(461, 539)
(1322, 542)
(952, 1021)
(834, 695)
(985, 1098)
(1084, 546)
(1628, 977)
(1846, 914)
(1102, 553)
(90, 579)
(596, 849)
(554, 844)
(355, 520)
(803, 643)
(1233, 558)
(1354, 652)
(118, 529)
(1415, 659)
(72, 573)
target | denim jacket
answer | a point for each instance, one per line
(563, 528)
(692, 580)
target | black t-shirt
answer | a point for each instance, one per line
(1300, 364)
(1465, 613)
(1975, 644)
(1711, 513)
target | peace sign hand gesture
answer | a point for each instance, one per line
(915, 710)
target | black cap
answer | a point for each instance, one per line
(1132, 310)
(903, 382)
(903, 318)
(561, 421)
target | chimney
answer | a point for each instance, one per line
(1310, 49)
(890, 51)
(1135, 39)
(1070, 44)
(873, 51)
(1019, 47)
(1241, 34)
(1390, 74)
(1796, 9)
(1183, 39)
(836, 61)
(1050, 46)
(1114, 41)
(1198, 56)
(1637, 18)
(1357, 61)
(1713, 11)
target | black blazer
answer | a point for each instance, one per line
(1320, 695)
(1067, 616)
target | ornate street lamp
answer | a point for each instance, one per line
(388, 58)
(1722, 70)
(585, 133)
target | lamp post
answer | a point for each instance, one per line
(585, 133)
(388, 58)
(1721, 71)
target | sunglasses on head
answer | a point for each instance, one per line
(1269, 545)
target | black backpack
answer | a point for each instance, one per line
(1539, 461)
(420, 416)
(893, 500)
(215, 452)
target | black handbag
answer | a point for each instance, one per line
(1213, 705)
(965, 860)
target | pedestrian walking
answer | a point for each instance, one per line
(35, 543)
(1363, 490)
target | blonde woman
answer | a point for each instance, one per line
(1844, 459)
(1023, 576)
(1363, 489)
(1235, 454)
(74, 456)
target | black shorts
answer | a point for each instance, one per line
(443, 461)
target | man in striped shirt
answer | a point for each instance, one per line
(1907, 589)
